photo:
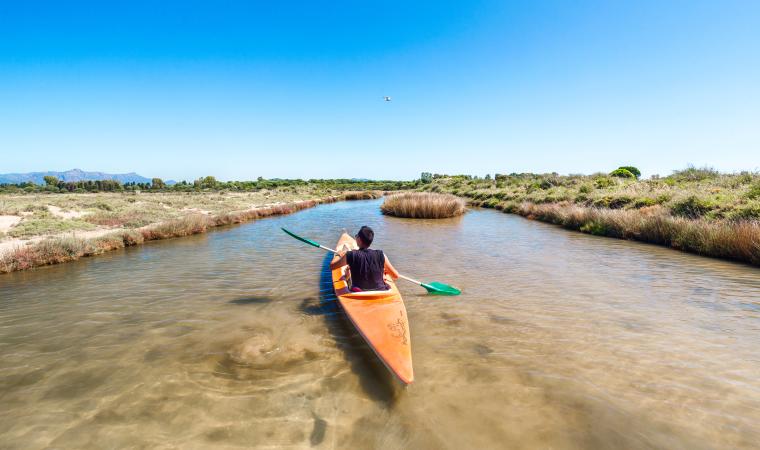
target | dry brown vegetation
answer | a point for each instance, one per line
(423, 205)
(362, 195)
(719, 238)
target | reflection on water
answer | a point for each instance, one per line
(234, 338)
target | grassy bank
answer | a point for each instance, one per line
(695, 210)
(50, 229)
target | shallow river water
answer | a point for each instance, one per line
(233, 339)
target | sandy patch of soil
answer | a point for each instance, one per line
(196, 210)
(58, 212)
(6, 222)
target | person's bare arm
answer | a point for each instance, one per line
(390, 270)
(340, 262)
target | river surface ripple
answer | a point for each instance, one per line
(233, 339)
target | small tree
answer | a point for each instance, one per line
(426, 177)
(622, 173)
(50, 180)
(158, 183)
(208, 182)
(636, 172)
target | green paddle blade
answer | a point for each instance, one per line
(308, 241)
(437, 288)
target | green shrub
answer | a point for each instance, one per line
(585, 189)
(619, 202)
(692, 207)
(746, 212)
(490, 203)
(594, 227)
(622, 173)
(663, 198)
(754, 191)
(604, 182)
(644, 202)
(508, 207)
(612, 202)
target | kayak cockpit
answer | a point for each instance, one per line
(343, 287)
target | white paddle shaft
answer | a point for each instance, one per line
(410, 279)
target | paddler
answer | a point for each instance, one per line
(367, 266)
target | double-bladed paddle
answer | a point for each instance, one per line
(434, 287)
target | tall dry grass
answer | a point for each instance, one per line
(736, 240)
(362, 195)
(423, 205)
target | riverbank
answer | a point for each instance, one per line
(694, 210)
(50, 229)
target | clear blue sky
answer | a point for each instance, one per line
(294, 89)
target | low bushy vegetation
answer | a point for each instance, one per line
(119, 219)
(696, 209)
(62, 249)
(423, 205)
(209, 183)
(40, 226)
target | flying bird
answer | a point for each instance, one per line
(386, 98)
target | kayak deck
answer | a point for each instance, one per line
(379, 316)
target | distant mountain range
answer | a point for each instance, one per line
(72, 175)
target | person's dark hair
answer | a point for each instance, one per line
(366, 234)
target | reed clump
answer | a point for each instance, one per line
(362, 195)
(423, 205)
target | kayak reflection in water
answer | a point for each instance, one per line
(367, 266)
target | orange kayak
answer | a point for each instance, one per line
(379, 316)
